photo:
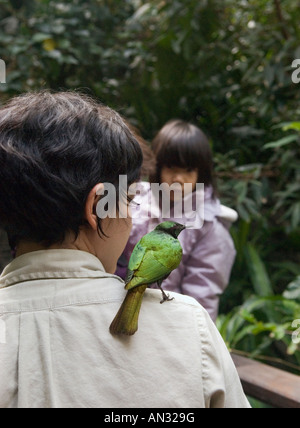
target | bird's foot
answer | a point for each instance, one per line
(166, 297)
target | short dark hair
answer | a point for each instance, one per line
(54, 148)
(184, 145)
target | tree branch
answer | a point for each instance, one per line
(281, 19)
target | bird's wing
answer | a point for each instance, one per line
(149, 271)
(135, 261)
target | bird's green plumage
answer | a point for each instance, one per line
(154, 257)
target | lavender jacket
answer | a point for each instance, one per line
(208, 249)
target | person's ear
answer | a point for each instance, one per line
(90, 211)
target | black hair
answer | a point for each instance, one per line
(183, 145)
(54, 148)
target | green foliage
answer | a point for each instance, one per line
(224, 65)
(48, 44)
(262, 327)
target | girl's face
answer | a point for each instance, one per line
(179, 175)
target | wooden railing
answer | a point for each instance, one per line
(268, 384)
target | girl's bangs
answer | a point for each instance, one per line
(179, 154)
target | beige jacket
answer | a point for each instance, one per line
(56, 350)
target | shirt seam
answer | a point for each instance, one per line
(75, 303)
(20, 279)
(56, 307)
(203, 358)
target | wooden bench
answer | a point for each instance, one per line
(268, 384)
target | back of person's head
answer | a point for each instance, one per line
(54, 148)
(184, 145)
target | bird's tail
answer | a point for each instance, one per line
(126, 320)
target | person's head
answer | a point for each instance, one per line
(55, 151)
(183, 155)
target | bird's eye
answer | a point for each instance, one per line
(131, 200)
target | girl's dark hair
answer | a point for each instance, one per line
(148, 167)
(54, 148)
(183, 145)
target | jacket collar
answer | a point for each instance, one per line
(47, 264)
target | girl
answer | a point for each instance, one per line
(183, 156)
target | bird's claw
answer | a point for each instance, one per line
(166, 298)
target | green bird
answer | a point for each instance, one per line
(154, 257)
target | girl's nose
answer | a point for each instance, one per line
(177, 178)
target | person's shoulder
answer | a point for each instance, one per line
(178, 319)
(179, 301)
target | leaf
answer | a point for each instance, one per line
(49, 45)
(295, 126)
(258, 272)
(142, 11)
(269, 75)
(243, 213)
(292, 349)
(40, 37)
(293, 290)
(296, 215)
(282, 142)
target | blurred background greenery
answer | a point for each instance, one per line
(225, 65)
